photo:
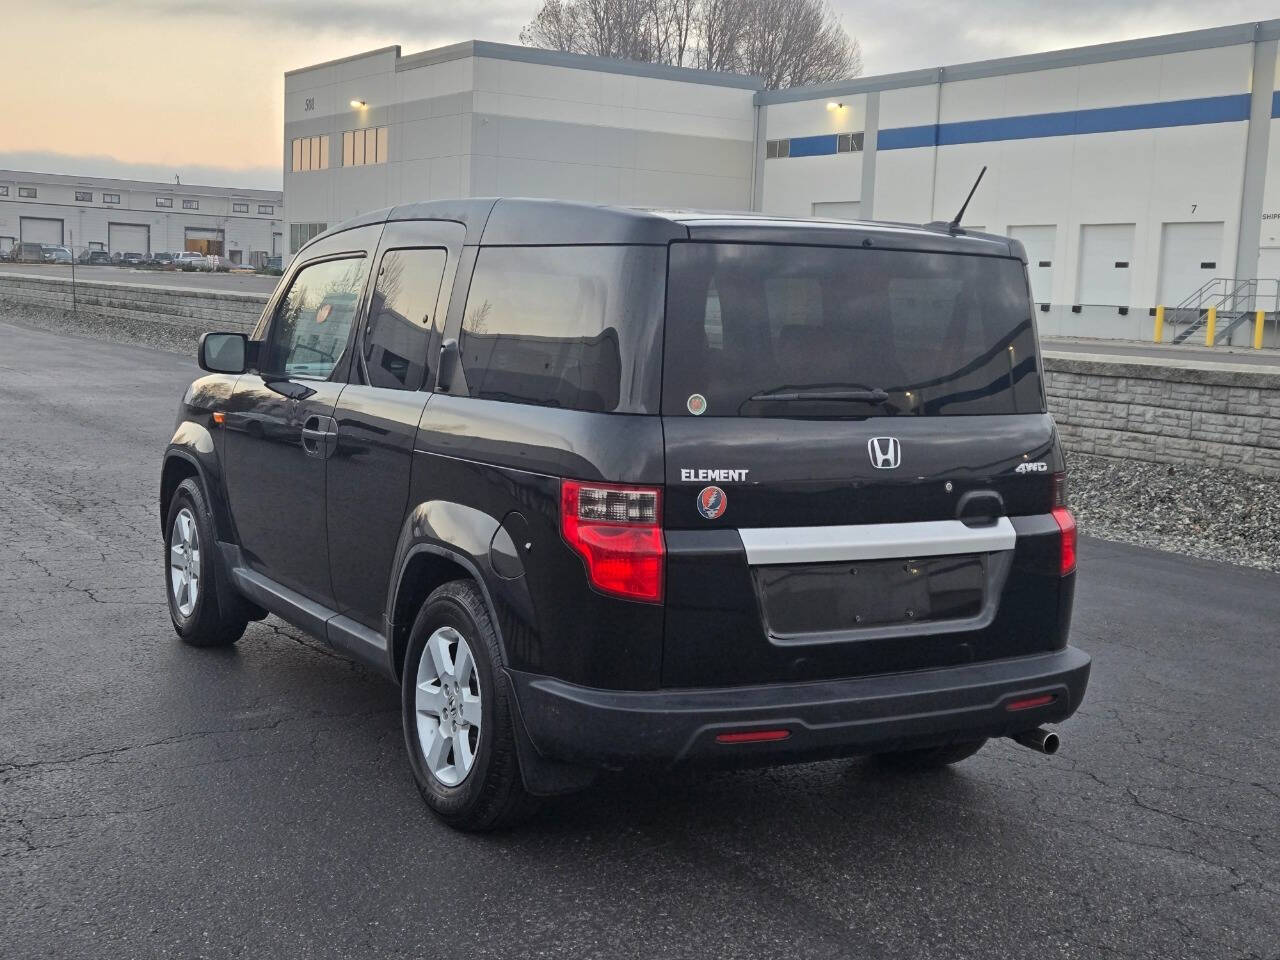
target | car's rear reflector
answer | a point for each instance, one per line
(617, 532)
(1067, 552)
(1030, 703)
(753, 736)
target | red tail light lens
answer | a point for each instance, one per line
(618, 533)
(1067, 554)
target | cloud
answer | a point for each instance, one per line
(100, 165)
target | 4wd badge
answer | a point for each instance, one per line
(712, 502)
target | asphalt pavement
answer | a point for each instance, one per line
(1171, 353)
(161, 801)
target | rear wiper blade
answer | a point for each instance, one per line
(827, 393)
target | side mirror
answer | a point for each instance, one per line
(223, 352)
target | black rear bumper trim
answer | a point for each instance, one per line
(825, 719)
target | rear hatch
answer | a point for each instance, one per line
(860, 470)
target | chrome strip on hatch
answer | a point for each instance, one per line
(873, 541)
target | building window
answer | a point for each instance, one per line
(310, 153)
(849, 142)
(300, 233)
(4, 191)
(239, 208)
(777, 148)
(84, 196)
(164, 201)
(190, 204)
(266, 208)
(27, 193)
(363, 147)
(111, 198)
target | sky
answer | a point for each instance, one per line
(151, 88)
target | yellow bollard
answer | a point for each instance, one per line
(1257, 329)
(1212, 327)
(1159, 335)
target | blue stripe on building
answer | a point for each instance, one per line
(813, 146)
(1275, 105)
(1140, 116)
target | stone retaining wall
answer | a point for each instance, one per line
(180, 306)
(1205, 414)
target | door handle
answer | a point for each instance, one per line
(319, 436)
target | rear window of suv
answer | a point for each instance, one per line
(770, 330)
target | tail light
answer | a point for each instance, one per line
(1066, 526)
(618, 533)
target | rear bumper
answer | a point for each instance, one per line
(823, 719)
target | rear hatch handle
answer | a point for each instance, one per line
(980, 508)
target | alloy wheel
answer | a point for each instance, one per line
(184, 562)
(447, 702)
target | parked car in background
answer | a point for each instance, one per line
(189, 260)
(99, 257)
(132, 260)
(54, 253)
(162, 259)
(240, 268)
(28, 252)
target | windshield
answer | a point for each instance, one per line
(770, 330)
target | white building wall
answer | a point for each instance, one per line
(464, 124)
(1191, 172)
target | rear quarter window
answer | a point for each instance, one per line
(575, 327)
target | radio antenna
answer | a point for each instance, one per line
(954, 225)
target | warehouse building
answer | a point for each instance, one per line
(137, 216)
(1135, 173)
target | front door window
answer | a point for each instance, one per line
(315, 318)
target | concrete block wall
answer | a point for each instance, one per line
(1198, 414)
(185, 307)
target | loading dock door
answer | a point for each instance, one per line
(1189, 254)
(129, 238)
(40, 230)
(1038, 241)
(203, 240)
(1106, 264)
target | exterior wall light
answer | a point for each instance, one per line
(358, 104)
(832, 105)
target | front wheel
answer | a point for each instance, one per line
(931, 758)
(459, 724)
(201, 616)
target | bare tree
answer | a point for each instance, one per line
(784, 42)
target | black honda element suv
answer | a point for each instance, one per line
(603, 488)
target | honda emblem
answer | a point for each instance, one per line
(885, 452)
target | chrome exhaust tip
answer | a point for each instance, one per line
(1039, 740)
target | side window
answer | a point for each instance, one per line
(571, 327)
(401, 318)
(314, 318)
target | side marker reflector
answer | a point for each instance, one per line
(1030, 703)
(219, 417)
(753, 736)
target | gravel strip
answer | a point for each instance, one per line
(1196, 511)
(1202, 512)
(175, 338)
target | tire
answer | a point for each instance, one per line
(209, 618)
(931, 758)
(486, 791)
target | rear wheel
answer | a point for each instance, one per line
(196, 606)
(931, 758)
(459, 724)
